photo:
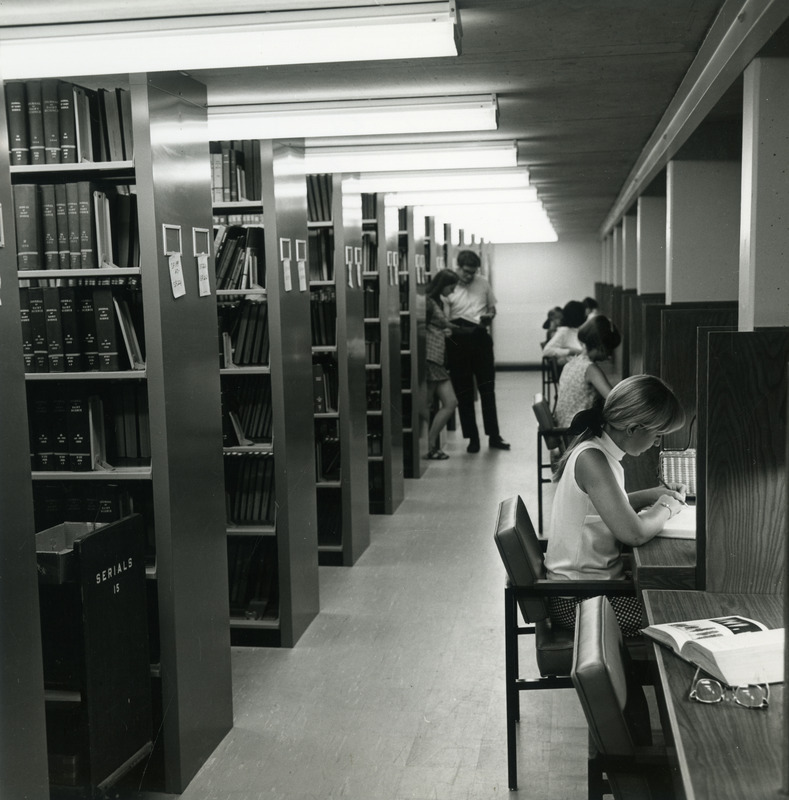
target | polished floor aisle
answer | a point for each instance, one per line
(396, 689)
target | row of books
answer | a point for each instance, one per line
(78, 225)
(372, 352)
(79, 328)
(235, 170)
(373, 390)
(323, 312)
(240, 257)
(371, 301)
(325, 386)
(327, 451)
(320, 243)
(73, 431)
(89, 501)
(405, 334)
(245, 218)
(319, 198)
(329, 518)
(370, 251)
(375, 444)
(369, 205)
(244, 335)
(252, 577)
(246, 410)
(249, 490)
(56, 122)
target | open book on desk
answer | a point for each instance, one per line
(735, 650)
(681, 525)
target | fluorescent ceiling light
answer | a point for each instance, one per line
(354, 117)
(467, 196)
(449, 180)
(375, 32)
(457, 155)
(497, 223)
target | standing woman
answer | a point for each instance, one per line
(438, 382)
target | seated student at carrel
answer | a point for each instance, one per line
(593, 517)
(583, 383)
(564, 343)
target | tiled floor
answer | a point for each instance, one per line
(396, 689)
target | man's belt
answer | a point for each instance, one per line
(463, 323)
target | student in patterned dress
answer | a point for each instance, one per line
(583, 383)
(438, 381)
(593, 516)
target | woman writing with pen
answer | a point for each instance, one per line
(593, 516)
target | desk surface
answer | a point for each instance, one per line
(724, 752)
(665, 564)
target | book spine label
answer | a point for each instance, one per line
(27, 329)
(16, 105)
(106, 332)
(78, 434)
(87, 225)
(28, 228)
(72, 213)
(61, 218)
(49, 226)
(86, 317)
(55, 352)
(35, 122)
(71, 337)
(68, 123)
(50, 106)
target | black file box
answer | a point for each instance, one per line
(94, 631)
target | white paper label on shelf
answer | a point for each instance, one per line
(176, 275)
(203, 279)
(301, 261)
(284, 255)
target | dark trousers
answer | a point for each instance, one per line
(470, 356)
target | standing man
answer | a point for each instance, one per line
(471, 307)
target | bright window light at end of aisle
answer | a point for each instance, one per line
(206, 42)
(463, 155)
(354, 118)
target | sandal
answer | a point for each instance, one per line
(436, 454)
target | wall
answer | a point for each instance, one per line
(529, 279)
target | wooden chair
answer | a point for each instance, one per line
(622, 743)
(551, 443)
(550, 379)
(527, 590)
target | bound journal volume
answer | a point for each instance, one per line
(736, 650)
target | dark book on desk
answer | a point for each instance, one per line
(736, 650)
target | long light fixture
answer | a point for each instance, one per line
(358, 33)
(447, 180)
(467, 196)
(354, 117)
(498, 223)
(433, 156)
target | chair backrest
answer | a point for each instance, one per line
(546, 423)
(612, 699)
(520, 550)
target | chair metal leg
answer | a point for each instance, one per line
(539, 483)
(511, 671)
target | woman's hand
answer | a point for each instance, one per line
(671, 501)
(677, 490)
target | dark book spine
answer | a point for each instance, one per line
(55, 352)
(86, 317)
(49, 226)
(18, 137)
(78, 434)
(35, 122)
(72, 213)
(51, 117)
(106, 330)
(27, 329)
(38, 327)
(125, 112)
(28, 227)
(87, 225)
(68, 123)
(42, 441)
(69, 325)
(60, 453)
(112, 123)
(61, 217)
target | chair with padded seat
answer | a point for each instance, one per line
(527, 590)
(622, 743)
(551, 441)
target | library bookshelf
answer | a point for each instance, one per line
(412, 274)
(266, 378)
(336, 284)
(153, 427)
(382, 362)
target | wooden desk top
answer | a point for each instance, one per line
(724, 751)
(665, 564)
